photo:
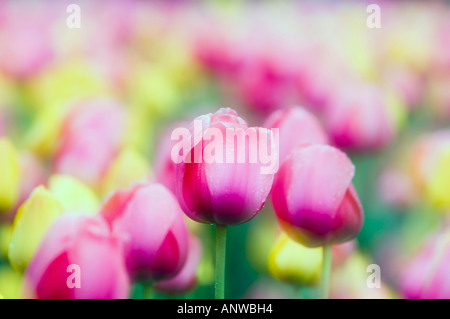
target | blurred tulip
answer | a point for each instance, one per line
(294, 263)
(314, 198)
(78, 250)
(426, 275)
(90, 140)
(186, 279)
(395, 188)
(34, 175)
(31, 223)
(297, 126)
(351, 281)
(119, 174)
(220, 192)
(360, 119)
(156, 240)
(429, 167)
(73, 195)
(10, 173)
(29, 48)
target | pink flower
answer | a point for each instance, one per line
(314, 198)
(156, 240)
(26, 41)
(224, 191)
(358, 119)
(79, 258)
(186, 279)
(90, 139)
(297, 126)
(427, 275)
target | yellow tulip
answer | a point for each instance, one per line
(32, 220)
(10, 175)
(73, 195)
(294, 263)
(438, 185)
(119, 174)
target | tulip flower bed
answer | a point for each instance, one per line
(234, 149)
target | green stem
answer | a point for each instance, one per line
(326, 271)
(221, 243)
(148, 291)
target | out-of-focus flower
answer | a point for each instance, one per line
(314, 198)
(73, 195)
(10, 173)
(363, 118)
(119, 174)
(79, 258)
(30, 225)
(156, 242)
(26, 42)
(186, 279)
(426, 275)
(395, 188)
(429, 164)
(10, 283)
(297, 126)
(438, 96)
(294, 263)
(91, 138)
(60, 85)
(33, 174)
(350, 281)
(223, 191)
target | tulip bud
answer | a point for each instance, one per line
(119, 174)
(156, 237)
(79, 258)
(215, 187)
(73, 195)
(314, 198)
(30, 225)
(297, 126)
(294, 263)
(10, 173)
(186, 279)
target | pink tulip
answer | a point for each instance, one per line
(186, 279)
(25, 39)
(297, 126)
(357, 119)
(90, 139)
(156, 240)
(223, 192)
(314, 198)
(79, 258)
(427, 275)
